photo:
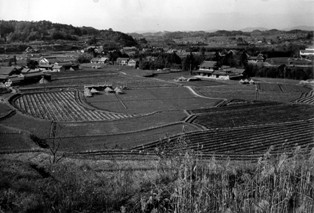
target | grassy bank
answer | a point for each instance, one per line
(177, 182)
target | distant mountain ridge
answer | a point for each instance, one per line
(301, 27)
(250, 29)
(26, 31)
(246, 30)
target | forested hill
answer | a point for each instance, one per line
(25, 31)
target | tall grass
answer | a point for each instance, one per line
(274, 184)
(182, 182)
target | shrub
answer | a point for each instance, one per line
(85, 58)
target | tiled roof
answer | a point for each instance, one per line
(208, 64)
(6, 70)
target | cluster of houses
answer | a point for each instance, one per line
(307, 53)
(51, 65)
(211, 70)
(120, 61)
(16, 75)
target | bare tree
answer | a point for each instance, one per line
(55, 145)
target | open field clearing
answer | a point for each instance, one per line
(119, 126)
(61, 106)
(240, 143)
(150, 100)
(120, 141)
(254, 116)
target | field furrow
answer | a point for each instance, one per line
(241, 141)
(61, 106)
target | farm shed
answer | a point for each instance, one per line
(43, 61)
(57, 68)
(46, 66)
(108, 90)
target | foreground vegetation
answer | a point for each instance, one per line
(183, 183)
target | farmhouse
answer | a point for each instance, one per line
(133, 62)
(57, 68)
(224, 73)
(307, 52)
(255, 59)
(43, 61)
(101, 60)
(46, 67)
(208, 66)
(122, 61)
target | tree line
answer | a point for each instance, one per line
(26, 31)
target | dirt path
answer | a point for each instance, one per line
(201, 96)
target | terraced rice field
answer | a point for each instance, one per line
(306, 98)
(81, 143)
(61, 106)
(226, 117)
(247, 92)
(245, 143)
(293, 88)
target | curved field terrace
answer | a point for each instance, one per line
(149, 100)
(61, 106)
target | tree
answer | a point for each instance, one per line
(92, 40)
(32, 64)
(188, 63)
(244, 59)
(84, 58)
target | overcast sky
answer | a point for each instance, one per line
(160, 15)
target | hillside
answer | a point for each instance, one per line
(25, 31)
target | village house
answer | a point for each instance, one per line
(209, 69)
(122, 61)
(208, 66)
(57, 68)
(101, 60)
(256, 59)
(17, 75)
(43, 61)
(307, 52)
(133, 63)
